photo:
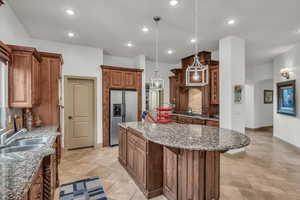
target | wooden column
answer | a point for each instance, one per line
(119, 78)
(194, 174)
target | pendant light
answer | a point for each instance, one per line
(197, 74)
(157, 83)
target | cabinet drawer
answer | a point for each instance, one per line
(212, 123)
(198, 121)
(137, 141)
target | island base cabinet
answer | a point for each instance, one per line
(143, 160)
(170, 177)
(198, 175)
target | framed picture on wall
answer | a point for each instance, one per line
(268, 96)
(237, 94)
(286, 98)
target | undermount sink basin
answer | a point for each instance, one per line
(32, 141)
(14, 149)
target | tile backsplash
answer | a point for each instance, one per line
(6, 114)
(195, 100)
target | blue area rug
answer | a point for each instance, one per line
(86, 189)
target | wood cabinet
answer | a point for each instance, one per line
(173, 87)
(119, 78)
(199, 175)
(170, 177)
(24, 77)
(212, 123)
(48, 110)
(45, 181)
(214, 85)
(192, 120)
(179, 92)
(143, 161)
(122, 146)
(123, 79)
(36, 189)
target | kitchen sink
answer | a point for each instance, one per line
(32, 141)
(13, 149)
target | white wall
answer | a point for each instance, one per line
(232, 72)
(164, 72)
(260, 72)
(258, 79)
(11, 30)
(263, 113)
(119, 61)
(79, 61)
(287, 127)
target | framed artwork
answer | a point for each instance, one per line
(268, 96)
(286, 97)
(237, 94)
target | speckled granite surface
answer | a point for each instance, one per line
(17, 169)
(196, 117)
(189, 136)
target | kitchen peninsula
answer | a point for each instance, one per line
(181, 161)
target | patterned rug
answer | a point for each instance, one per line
(86, 189)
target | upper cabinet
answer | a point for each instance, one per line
(179, 92)
(24, 77)
(214, 84)
(123, 79)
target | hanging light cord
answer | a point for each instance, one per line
(196, 27)
(156, 46)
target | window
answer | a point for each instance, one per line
(3, 94)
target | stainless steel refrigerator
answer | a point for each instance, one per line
(123, 108)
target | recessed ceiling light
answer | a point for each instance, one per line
(145, 29)
(129, 44)
(231, 22)
(70, 12)
(71, 34)
(173, 2)
(298, 31)
(170, 51)
(193, 40)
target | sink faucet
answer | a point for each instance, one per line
(10, 135)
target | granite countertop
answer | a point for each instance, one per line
(189, 136)
(17, 169)
(196, 116)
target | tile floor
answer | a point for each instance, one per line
(269, 170)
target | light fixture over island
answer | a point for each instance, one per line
(181, 161)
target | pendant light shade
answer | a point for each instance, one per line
(197, 74)
(157, 83)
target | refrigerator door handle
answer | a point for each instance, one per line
(123, 111)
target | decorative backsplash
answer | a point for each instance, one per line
(7, 115)
(195, 100)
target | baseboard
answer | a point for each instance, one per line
(294, 147)
(263, 128)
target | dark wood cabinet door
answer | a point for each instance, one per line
(140, 166)
(35, 80)
(173, 85)
(130, 157)
(170, 174)
(214, 88)
(117, 79)
(20, 81)
(129, 80)
(122, 146)
(36, 192)
(36, 189)
(198, 121)
(212, 123)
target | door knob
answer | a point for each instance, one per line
(70, 117)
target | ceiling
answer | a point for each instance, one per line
(269, 26)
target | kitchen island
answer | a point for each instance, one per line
(182, 161)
